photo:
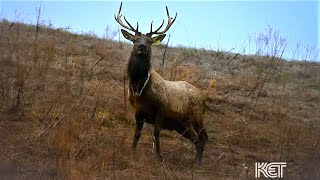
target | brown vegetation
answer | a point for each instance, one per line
(63, 112)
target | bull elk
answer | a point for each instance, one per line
(171, 105)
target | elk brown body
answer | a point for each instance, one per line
(171, 105)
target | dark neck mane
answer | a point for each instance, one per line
(138, 68)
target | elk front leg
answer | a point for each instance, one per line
(137, 133)
(157, 129)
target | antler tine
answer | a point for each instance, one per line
(170, 22)
(120, 9)
(118, 19)
(137, 26)
(160, 26)
(125, 19)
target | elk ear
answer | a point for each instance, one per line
(156, 40)
(127, 35)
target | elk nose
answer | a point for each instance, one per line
(142, 47)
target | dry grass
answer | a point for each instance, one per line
(63, 114)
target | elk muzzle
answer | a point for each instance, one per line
(142, 49)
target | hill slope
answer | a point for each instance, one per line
(64, 112)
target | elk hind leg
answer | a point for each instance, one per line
(202, 139)
(189, 134)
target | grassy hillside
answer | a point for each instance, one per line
(64, 113)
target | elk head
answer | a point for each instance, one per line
(142, 42)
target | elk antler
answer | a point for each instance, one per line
(168, 25)
(118, 19)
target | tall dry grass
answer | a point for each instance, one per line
(64, 113)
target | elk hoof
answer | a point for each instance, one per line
(198, 161)
(160, 157)
(133, 148)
